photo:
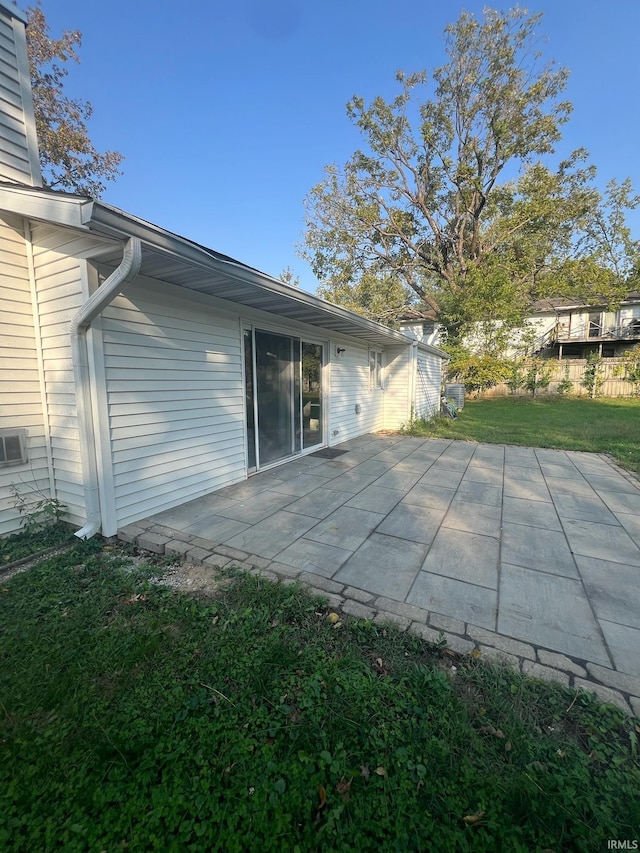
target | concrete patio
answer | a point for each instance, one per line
(528, 554)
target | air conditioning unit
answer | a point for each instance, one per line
(455, 393)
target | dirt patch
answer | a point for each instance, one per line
(26, 563)
(187, 577)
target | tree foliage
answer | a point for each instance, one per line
(452, 196)
(477, 371)
(378, 297)
(289, 277)
(68, 159)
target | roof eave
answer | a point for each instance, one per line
(103, 220)
(112, 222)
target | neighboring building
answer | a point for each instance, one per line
(568, 329)
(421, 326)
(140, 370)
(557, 328)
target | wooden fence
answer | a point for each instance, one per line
(573, 370)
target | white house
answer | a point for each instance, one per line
(567, 328)
(140, 370)
(556, 328)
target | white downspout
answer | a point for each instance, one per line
(97, 302)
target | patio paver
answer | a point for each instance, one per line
(521, 547)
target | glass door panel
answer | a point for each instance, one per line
(297, 410)
(274, 395)
(249, 399)
(312, 359)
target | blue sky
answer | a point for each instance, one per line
(226, 112)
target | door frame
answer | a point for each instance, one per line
(252, 327)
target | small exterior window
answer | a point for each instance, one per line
(428, 327)
(13, 447)
(375, 368)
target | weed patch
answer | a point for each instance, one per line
(28, 542)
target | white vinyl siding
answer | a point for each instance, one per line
(20, 391)
(59, 276)
(18, 149)
(350, 388)
(175, 399)
(397, 404)
(427, 384)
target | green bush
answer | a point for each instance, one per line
(592, 378)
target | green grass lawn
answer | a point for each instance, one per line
(137, 718)
(601, 426)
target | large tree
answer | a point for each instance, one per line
(68, 159)
(453, 198)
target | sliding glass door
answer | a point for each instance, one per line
(274, 391)
(312, 364)
(283, 388)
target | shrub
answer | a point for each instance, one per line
(592, 378)
(479, 372)
(630, 369)
(538, 376)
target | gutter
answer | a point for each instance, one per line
(111, 222)
(97, 302)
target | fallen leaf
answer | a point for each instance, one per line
(364, 771)
(476, 653)
(323, 802)
(380, 771)
(470, 819)
(507, 746)
(344, 788)
(491, 730)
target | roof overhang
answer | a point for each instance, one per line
(183, 263)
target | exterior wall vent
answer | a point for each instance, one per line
(13, 447)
